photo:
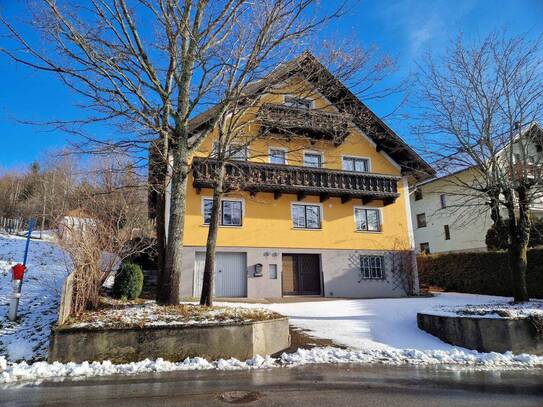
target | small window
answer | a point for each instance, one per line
(273, 271)
(355, 164)
(208, 205)
(299, 103)
(231, 212)
(418, 194)
(372, 267)
(277, 156)
(421, 220)
(425, 248)
(447, 232)
(306, 216)
(367, 219)
(312, 160)
(443, 201)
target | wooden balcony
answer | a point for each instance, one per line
(292, 121)
(302, 181)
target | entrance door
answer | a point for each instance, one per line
(301, 274)
(230, 274)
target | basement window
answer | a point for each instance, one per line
(372, 267)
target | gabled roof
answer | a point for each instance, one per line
(345, 101)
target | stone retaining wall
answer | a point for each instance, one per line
(484, 334)
(121, 345)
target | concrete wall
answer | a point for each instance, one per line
(121, 345)
(340, 273)
(484, 334)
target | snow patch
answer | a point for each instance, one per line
(11, 373)
(495, 310)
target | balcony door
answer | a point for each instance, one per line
(301, 274)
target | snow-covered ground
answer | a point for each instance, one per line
(372, 330)
(492, 310)
(115, 313)
(27, 339)
(384, 324)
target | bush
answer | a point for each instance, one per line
(497, 237)
(479, 272)
(128, 281)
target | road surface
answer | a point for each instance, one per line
(315, 385)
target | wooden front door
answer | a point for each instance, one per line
(301, 274)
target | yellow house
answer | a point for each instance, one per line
(324, 210)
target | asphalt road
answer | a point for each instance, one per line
(302, 386)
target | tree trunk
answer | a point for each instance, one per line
(176, 225)
(211, 247)
(520, 236)
(158, 179)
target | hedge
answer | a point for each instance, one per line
(479, 272)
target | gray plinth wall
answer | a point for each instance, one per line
(121, 345)
(484, 334)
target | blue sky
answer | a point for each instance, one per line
(403, 28)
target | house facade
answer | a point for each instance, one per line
(315, 215)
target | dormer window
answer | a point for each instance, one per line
(299, 103)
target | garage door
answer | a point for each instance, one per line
(230, 274)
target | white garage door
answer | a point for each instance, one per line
(230, 274)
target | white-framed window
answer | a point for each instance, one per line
(301, 103)
(368, 219)
(312, 159)
(278, 155)
(358, 164)
(372, 267)
(231, 212)
(235, 151)
(306, 216)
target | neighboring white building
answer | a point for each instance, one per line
(446, 219)
(440, 225)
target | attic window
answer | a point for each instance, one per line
(299, 103)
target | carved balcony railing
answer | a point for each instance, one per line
(317, 124)
(302, 181)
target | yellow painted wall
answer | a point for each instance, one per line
(267, 222)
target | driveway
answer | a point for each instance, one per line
(370, 324)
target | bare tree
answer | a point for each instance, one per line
(148, 69)
(98, 237)
(481, 106)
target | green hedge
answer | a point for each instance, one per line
(479, 273)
